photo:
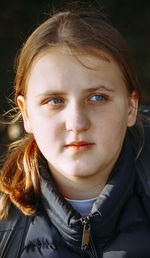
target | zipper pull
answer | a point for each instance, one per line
(86, 233)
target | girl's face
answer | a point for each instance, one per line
(77, 115)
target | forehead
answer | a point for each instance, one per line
(90, 59)
(58, 66)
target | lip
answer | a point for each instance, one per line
(80, 146)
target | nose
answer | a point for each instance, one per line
(77, 119)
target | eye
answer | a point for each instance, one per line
(55, 101)
(97, 98)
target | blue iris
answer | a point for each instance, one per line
(55, 101)
(98, 98)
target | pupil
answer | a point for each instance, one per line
(98, 97)
(56, 101)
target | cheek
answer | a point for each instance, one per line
(46, 130)
(111, 127)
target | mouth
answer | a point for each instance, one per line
(79, 146)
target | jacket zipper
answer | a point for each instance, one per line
(87, 239)
(86, 233)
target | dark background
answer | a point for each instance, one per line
(18, 18)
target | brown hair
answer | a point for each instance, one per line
(79, 31)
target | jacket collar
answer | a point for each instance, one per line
(106, 210)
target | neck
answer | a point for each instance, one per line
(80, 188)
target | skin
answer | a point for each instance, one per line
(67, 102)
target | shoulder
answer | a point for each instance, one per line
(15, 220)
(12, 232)
(143, 160)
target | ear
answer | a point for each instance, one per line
(22, 106)
(133, 108)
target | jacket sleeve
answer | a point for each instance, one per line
(12, 234)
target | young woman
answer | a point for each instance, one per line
(76, 185)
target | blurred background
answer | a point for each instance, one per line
(18, 18)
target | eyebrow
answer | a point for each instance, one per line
(55, 92)
(102, 87)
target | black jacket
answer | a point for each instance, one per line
(119, 222)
